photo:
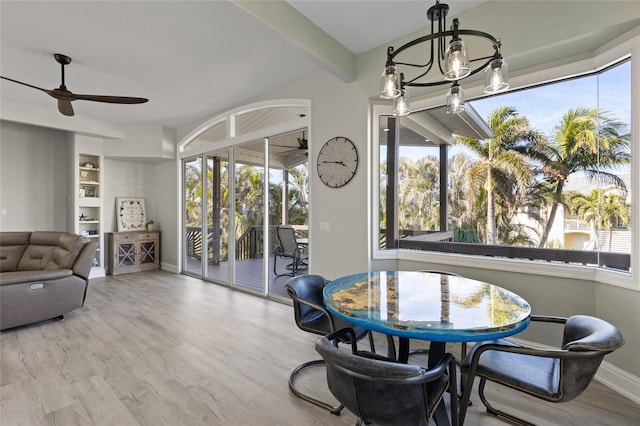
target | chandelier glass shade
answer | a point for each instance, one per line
(455, 99)
(390, 83)
(496, 79)
(448, 53)
(401, 104)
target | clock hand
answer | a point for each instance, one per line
(335, 162)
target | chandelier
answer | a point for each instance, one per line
(452, 60)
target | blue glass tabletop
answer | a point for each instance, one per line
(428, 306)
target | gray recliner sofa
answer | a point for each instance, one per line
(43, 275)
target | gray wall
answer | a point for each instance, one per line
(34, 177)
(35, 185)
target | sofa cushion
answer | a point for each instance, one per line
(51, 250)
(12, 247)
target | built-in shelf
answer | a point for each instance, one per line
(89, 202)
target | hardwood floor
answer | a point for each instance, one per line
(155, 348)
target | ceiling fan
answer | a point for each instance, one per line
(65, 97)
(303, 145)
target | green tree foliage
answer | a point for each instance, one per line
(500, 177)
(586, 140)
(602, 210)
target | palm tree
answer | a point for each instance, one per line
(419, 198)
(249, 197)
(299, 195)
(501, 173)
(602, 211)
(586, 140)
(461, 214)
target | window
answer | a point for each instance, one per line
(542, 173)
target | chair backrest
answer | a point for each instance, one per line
(308, 288)
(584, 333)
(378, 391)
(287, 237)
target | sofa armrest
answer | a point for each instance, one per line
(83, 264)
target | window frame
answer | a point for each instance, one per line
(612, 53)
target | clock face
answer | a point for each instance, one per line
(337, 162)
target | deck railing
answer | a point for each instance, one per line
(248, 246)
(620, 261)
(576, 225)
(443, 242)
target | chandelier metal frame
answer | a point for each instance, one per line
(442, 44)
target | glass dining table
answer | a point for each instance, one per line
(429, 306)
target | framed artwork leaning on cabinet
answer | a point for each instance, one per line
(131, 214)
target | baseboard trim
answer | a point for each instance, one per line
(613, 377)
(620, 381)
(171, 267)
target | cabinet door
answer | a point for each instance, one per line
(126, 254)
(147, 252)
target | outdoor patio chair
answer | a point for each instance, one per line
(289, 249)
(555, 375)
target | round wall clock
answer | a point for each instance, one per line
(337, 162)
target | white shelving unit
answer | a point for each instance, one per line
(88, 209)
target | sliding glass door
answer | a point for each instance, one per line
(231, 199)
(206, 185)
(249, 181)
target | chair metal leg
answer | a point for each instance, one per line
(275, 271)
(498, 413)
(333, 410)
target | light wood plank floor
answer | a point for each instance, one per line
(157, 348)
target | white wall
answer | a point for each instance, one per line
(126, 179)
(34, 178)
(337, 109)
(158, 185)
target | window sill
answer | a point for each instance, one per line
(586, 273)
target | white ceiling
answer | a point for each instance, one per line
(196, 59)
(362, 25)
(192, 59)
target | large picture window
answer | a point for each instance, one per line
(542, 173)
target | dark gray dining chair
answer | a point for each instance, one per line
(555, 375)
(288, 249)
(384, 392)
(311, 316)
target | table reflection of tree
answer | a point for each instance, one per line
(502, 306)
(445, 299)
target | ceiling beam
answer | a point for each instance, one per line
(300, 33)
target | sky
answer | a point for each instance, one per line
(544, 106)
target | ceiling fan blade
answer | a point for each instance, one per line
(65, 97)
(110, 99)
(65, 107)
(28, 85)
